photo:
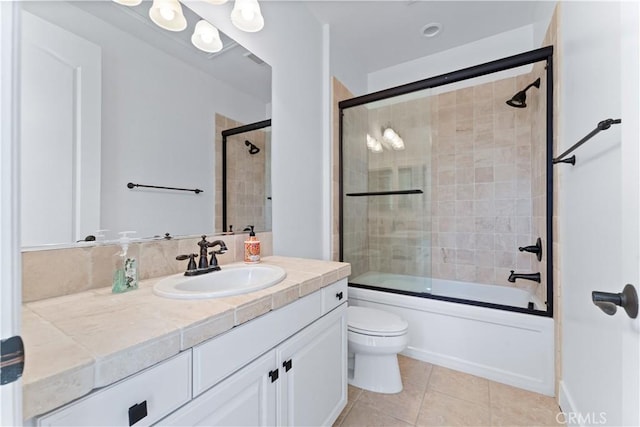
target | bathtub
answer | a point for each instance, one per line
(509, 347)
(501, 295)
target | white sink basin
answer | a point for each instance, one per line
(234, 279)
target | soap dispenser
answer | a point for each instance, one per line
(125, 278)
(252, 248)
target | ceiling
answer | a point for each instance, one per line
(380, 34)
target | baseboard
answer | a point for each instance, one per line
(566, 403)
(484, 371)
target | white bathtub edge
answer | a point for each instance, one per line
(525, 341)
(484, 371)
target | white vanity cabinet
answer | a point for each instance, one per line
(141, 399)
(287, 367)
(300, 381)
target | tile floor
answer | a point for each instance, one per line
(437, 396)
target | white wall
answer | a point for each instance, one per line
(481, 51)
(350, 73)
(158, 128)
(292, 43)
(593, 205)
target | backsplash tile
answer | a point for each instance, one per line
(57, 272)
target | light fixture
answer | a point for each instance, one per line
(128, 2)
(373, 144)
(393, 139)
(206, 37)
(246, 16)
(167, 14)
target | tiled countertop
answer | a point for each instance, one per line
(91, 339)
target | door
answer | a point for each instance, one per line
(313, 366)
(246, 398)
(11, 392)
(599, 213)
(60, 133)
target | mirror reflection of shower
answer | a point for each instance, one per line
(519, 99)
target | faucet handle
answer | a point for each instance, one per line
(213, 263)
(191, 258)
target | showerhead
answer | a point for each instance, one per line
(252, 148)
(520, 98)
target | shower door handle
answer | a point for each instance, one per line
(608, 302)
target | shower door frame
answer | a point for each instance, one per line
(522, 59)
(226, 133)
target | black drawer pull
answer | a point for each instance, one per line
(339, 296)
(274, 375)
(137, 412)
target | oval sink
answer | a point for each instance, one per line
(231, 280)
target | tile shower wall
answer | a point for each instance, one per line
(400, 225)
(339, 93)
(482, 188)
(248, 178)
(355, 176)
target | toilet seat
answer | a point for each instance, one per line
(369, 321)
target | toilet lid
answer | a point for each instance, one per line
(370, 321)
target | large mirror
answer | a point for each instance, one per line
(108, 98)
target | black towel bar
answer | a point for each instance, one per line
(603, 125)
(195, 190)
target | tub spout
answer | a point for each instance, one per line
(532, 276)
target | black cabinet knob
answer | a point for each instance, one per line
(339, 296)
(137, 412)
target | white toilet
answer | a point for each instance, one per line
(375, 338)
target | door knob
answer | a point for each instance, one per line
(608, 302)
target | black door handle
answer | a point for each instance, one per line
(608, 302)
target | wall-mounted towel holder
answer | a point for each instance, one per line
(603, 125)
(195, 190)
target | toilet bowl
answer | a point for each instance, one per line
(375, 338)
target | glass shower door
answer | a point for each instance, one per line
(386, 181)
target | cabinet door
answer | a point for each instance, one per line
(313, 372)
(246, 398)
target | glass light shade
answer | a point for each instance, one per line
(128, 2)
(393, 139)
(246, 16)
(206, 37)
(167, 14)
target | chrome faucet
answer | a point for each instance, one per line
(204, 265)
(531, 276)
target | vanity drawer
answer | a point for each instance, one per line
(156, 392)
(334, 295)
(219, 357)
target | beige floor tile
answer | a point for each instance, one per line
(362, 415)
(442, 410)
(353, 393)
(343, 414)
(517, 407)
(459, 385)
(403, 406)
(414, 371)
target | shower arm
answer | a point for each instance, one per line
(603, 125)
